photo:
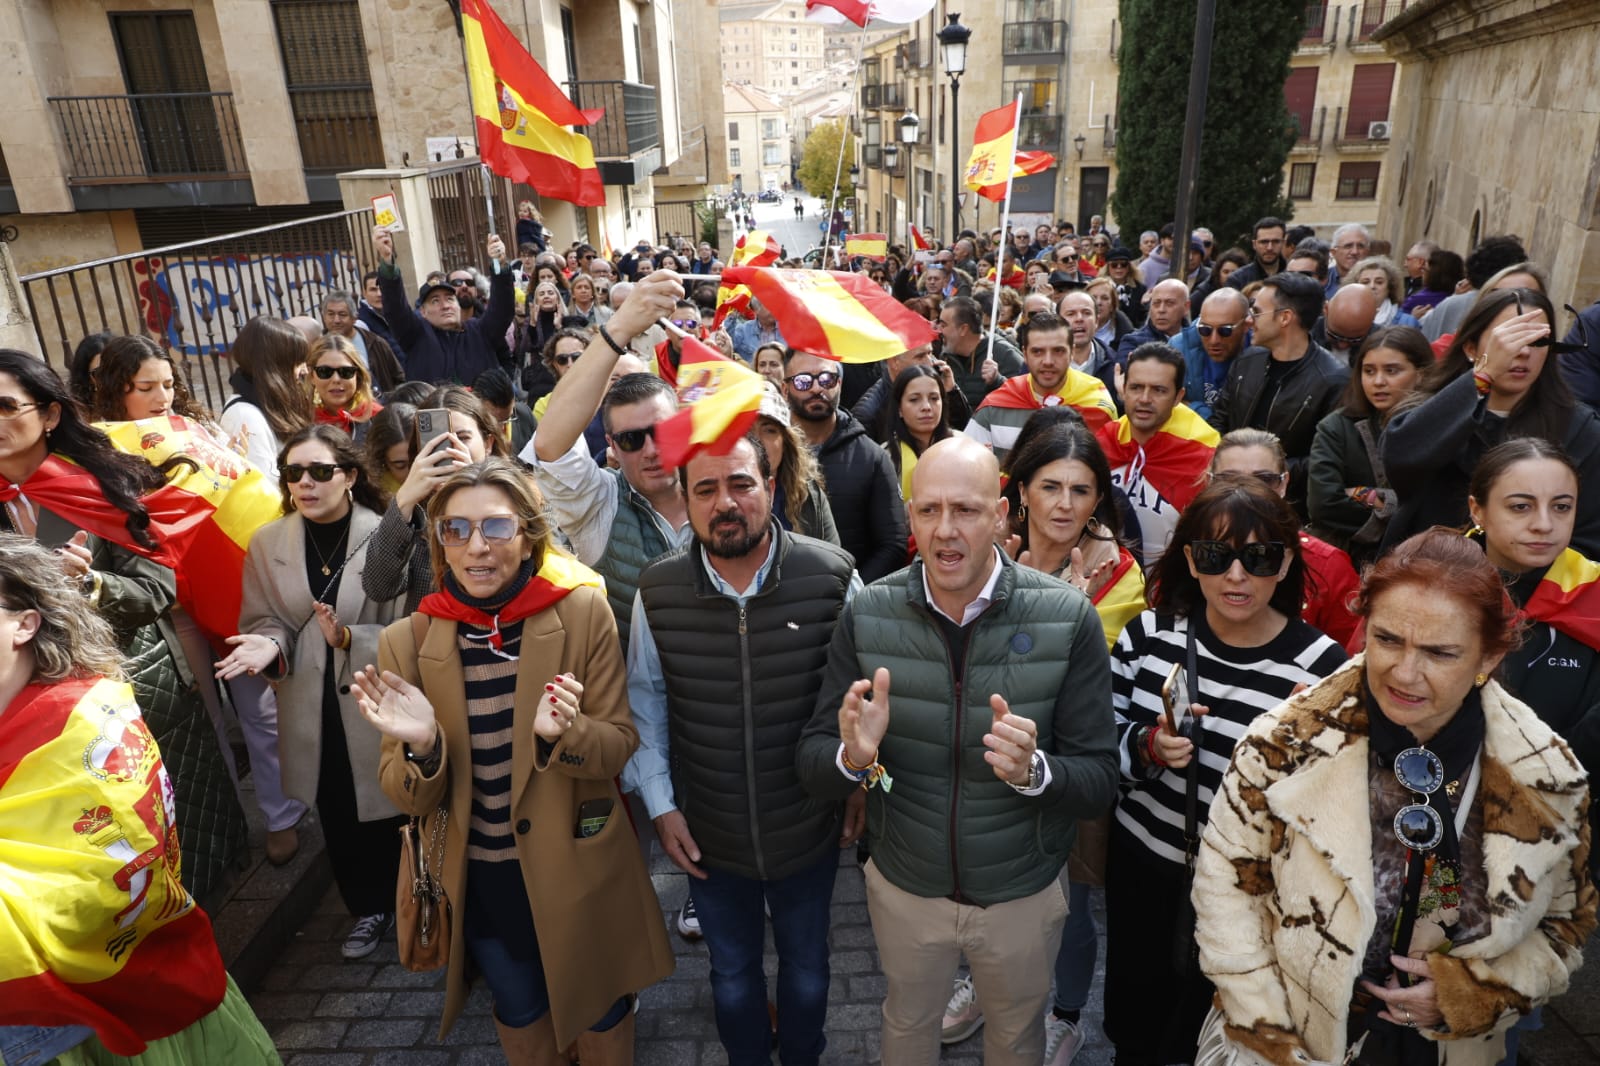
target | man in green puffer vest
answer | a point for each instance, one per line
(1000, 741)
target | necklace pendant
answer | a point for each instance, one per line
(325, 570)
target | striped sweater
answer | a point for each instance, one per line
(491, 683)
(1236, 684)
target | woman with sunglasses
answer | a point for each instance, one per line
(1331, 579)
(341, 388)
(1225, 608)
(1495, 382)
(800, 504)
(398, 562)
(503, 706)
(307, 626)
(1347, 492)
(268, 405)
(48, 453)
(561, 350)
(1396, 856)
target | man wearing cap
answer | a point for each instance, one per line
(438, 346)
(1130, 290)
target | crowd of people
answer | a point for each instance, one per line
(1262, 597)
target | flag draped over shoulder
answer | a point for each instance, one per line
(204, 516)
(95, 926)
(1568, 599)
(558, 575)
(1174, 461)
(718, 400)
(994, 147)
(869, 245)
(1121, 599)
(757, 248)
(520, 114)
(836, 315)
(1084, 393)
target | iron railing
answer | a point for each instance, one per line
(1317, 25)
(1310, 133)
(150, 137)
(1022, 39)
(1040, 132)
(889, 96)
(460, 212)
(1375, 13)
(337, 128)
(632, 123)
(193, 298)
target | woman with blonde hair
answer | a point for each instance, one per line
(340, 386)
(530, 226)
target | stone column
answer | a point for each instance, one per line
(16, 325)
(261, 100)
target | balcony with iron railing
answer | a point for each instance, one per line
(1029, 42)
(150, 137)
(632, 122)
(887, 97)
(1308, 134)
(1366, 17)
(1320, 34)
(1040, 133)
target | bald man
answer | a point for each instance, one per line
(1169, 311)
(973, 861)
(1221, 331)
(1346, 321)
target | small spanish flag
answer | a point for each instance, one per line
(757, 248)
(868, 245)
(521, 114)
(718, 400)
(918, 241)
(1568, 599)
(833, 314)
(1174, 461)
(994, 141)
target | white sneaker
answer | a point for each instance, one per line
(963, 1016)
(688, 921)
(363, 939)
(1062, 1039)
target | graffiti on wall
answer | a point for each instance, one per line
(198, 305)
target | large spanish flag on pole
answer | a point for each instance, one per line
(718, 400)
(994, 141)
(521, 114)
(757, 248)
(833, 314)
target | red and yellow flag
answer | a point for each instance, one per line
(918, 241)
(757, 248)
(1174, 461)
(1084, 393)
(718, 400)
(95, 926)
(521, 114)
(994, 142)
(834, 314)
(1121, 599)
(1568, 599)
(867, 245)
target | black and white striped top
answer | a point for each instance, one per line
(1236, 684)
(491, 685)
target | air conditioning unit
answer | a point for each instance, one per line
(1378, 131)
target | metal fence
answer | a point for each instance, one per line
(461, 216)
(193, 298)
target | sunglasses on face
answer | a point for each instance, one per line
(326, 373)
(565, 358)
(631, 440)
(457, 532)
(688, 325)
(1417, 825)
(458, 282)
(1222, 331)
(321, 473)
(1342, 341)
(1213, 557)
(805, 382)
(11, 407)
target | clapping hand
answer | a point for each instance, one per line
(1011, 740)
(396, 708)
(864, 718)
(560, 709)
(328, 622)
(252, 653)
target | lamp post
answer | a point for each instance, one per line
(953, 43)
(855, 200)
(910, 125)
(891, 156)
(1078, 142)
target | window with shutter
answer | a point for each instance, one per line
(1300, 95)
(1302, 179)
(330, 87)
(1370, 87)
(1358, 181)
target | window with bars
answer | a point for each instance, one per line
(330, 87)
(1302, 179)
(1358, 181)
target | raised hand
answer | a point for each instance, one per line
(396, 708)
(1011, 740)
(560, 708)
(383, 244)
(496, 249)
(864, 718)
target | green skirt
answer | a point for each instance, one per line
(230, 1034)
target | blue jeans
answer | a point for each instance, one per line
(730, 911)
(1079, 946)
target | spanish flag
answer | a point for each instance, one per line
(1084, 393)
(718, 400)
(757, 248)
(867, 245)
(1174, 461)
(834, 314)
(1121, 599)
(95, 926)
(521, 113)
(1568, 599)
(994, 142)
(918, 241)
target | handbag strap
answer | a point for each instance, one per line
(1195, 728)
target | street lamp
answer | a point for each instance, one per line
(910, 125)
(855, 200)
(953, 43)
(1078, 142)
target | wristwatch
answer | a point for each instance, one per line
(1035, 773)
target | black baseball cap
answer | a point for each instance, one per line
(428, 289)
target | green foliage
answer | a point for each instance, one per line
(820, 158)
(1248, 130)
(707, 218)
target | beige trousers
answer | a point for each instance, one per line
(1011, 951)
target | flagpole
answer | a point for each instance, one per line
(1005, 218)
(844, 134)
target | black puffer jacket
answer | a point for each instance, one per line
(449, 357)
(864, 493)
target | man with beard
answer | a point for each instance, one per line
(1266, 241)
(439, 347)
(730, 811)
(863, 488)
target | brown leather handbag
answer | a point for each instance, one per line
(421, 908)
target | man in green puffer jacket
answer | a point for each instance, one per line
(1000, 741)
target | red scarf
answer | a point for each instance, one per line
(557, 575)
(347, 417)
(70, 492)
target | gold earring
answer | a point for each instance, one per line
(1481, 680)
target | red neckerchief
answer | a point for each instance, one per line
(556, 576)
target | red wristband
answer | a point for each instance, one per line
(1150, 746)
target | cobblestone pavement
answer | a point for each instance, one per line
(323, 1011)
